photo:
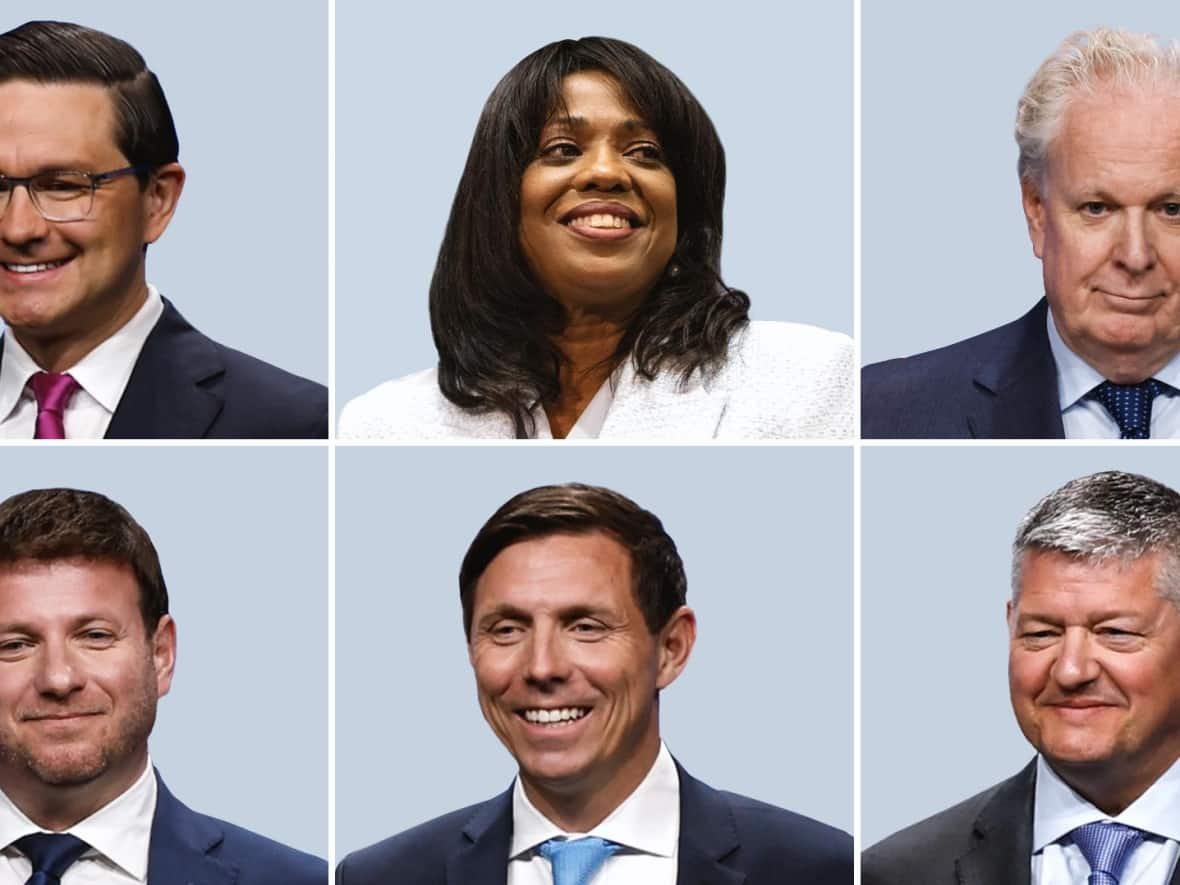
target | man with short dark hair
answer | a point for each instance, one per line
(574, 607)
(1093, 664)
(87, 647)
(88, 179)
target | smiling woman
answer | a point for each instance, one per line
(577, 291)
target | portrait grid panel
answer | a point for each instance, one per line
(765, 535)
(937, 529)
(241, 535)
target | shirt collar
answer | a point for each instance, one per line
(103, 373)
(1058, 809)
(120, 831)
(647, 821)
(1076, 377)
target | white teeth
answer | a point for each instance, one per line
(32, 268)
(565, 714)
(600, 220)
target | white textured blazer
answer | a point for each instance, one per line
(781, 381)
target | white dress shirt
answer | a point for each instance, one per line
(102, 376)
(589, 423)
(647, 823)
(1057, 810)
(1088, 419)
(118, 834)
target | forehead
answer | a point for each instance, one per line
(1127, 137)
(61, 590)
(1052, 582)
(45, 125)
(558, 571)
(594, 97)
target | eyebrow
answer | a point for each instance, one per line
(631, 124)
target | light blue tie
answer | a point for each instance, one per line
(576, 861)
(1107, 847)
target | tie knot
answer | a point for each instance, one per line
(52, 390)
(575, 861)
(51, 854)
(1130, 405)
(1106, 846)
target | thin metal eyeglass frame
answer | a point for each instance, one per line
(97, 180)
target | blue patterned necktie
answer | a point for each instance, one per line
(1129, 405)
(576, 861)
(51, 854)
(1107, 847)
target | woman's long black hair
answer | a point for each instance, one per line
(492, 322)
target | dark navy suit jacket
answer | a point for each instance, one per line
(187, 386)
(986, 840)
(725, 839)
(191, 849)
(998, 385)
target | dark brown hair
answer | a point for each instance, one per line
(657, 572)
(61, 52)
(48, 525)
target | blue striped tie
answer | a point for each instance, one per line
(51, 854)
(575, 862)
(1107, 847)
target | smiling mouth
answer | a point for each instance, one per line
(601, 221)
(33, 268)
(553, 718)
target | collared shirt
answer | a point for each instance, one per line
(102, 376)
(1057, 810)
(1088, 419)
(118, 833)
(647, 823)
(589, 423)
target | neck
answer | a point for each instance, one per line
(587, 344)
(582, 807)
(1110, 791)
(59, 351)
(57, 807)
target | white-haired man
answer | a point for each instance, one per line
(1098, 129)
(1093, 658)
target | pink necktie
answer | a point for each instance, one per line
(53, 392)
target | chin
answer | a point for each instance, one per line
(68, 767)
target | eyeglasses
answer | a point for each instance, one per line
(62, 195)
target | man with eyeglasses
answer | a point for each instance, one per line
(88, 178)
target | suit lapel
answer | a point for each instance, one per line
(180, 844)
(171, 393)
(1002, 837)
(1018, 387)
(708, 836)
(484, 859)
(664, 407)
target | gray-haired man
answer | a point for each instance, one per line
(1094, 678)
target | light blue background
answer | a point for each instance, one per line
(938, 523)
(412, 78)
(242, 538)
(246, 256)
(765, 705)
(946, 253)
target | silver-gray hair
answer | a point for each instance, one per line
(1086, 61)
(1102, 517)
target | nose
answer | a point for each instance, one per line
(59, 674)
(1076, 665)
(548, 660)
(20, 222)
(603, 168)
(1135, 250)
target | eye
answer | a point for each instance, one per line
(505, 631)
(587, 628)
(1095, 208)
(560, 150)
(1170, 210)
(14, 646)
(62, 185)
(97, 638)
(648, 152)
